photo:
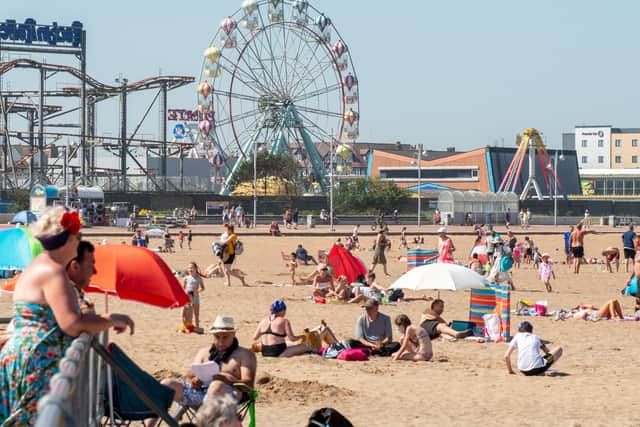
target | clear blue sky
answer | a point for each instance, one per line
(463, 73)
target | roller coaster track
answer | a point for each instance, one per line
(171, 82)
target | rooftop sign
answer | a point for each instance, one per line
(31, 33)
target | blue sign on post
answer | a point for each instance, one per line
(30, 32)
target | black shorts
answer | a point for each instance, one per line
(548, 361)
(230, 259)
(431, 326)
(629, 253)
(577, 251)
(273, 350)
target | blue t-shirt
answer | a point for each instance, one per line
(301, 253)
(627, 239)
(567, 236)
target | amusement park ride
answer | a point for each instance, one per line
(38, 143)
(530, 143)
(278, 76)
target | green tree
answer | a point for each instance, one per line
(278, 165)
(364, 194)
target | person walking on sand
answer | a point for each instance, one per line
(576, 242)
(445, 247)
(629, 247)
(189, 239)
(545, 271)
(229, 240)
(379, 256)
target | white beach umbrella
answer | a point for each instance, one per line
(155, 232)
(443, 276)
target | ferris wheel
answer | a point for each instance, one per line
(278, 76)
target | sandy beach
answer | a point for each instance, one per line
(466, 384)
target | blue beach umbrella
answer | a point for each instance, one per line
(24, 217)
(17, 248)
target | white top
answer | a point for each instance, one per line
(528, 346)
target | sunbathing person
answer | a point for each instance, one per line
(610, 310)
(322, 282)
(435, 325)
(368, 290)
(611, 255)
(415, 344)
(343, 291)
(237, 365)
(273, 332)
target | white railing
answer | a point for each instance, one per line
(76, 392)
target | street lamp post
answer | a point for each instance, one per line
(555, 187)
(419, 185)
(331, 183)
(255, 182)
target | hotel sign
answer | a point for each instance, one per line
(31, 33)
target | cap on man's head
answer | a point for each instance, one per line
(370, 303)
(222, 324)
(442, 230)
(525, 327)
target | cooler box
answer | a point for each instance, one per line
(462, 325)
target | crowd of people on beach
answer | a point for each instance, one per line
(50, 308)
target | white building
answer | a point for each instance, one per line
(593, 146)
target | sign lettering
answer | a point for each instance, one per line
(29, 32)
(188, 115)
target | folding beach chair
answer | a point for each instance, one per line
(246, 406)
(135, 395)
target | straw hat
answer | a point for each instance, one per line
(223, 324)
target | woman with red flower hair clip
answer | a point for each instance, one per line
(46, 317)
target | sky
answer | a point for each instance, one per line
(448, 73)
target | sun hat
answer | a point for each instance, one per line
(322, 266)
(442, 230)
(222, 324)
(546, 254)
(371, 302)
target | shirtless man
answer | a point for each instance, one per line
(576, 243)
(237, 365)
(435, 325)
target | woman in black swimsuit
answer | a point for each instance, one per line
(274, 329)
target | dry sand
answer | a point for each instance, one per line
(466, 385)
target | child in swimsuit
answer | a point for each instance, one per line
(292, 264)
(415, 344)
(193, 285)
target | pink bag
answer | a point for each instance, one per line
(541, 310)
(354, 354)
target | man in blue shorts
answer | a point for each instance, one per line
(629, 245)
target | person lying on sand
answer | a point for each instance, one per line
(530, 362)
(609, 310)
(370, 289)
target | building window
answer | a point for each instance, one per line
(600, 159)
(584, 143)
(600, 143)
(618, 159)
(634, 142)
(634, 159)
(618, 143)
(583, 159)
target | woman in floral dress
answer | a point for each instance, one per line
(46, 317)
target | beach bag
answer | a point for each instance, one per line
(506, 262)
(328, 417)
(218, 249)
(492, 327)
(353, 355)
(632, 288)
(333, 350)
(239, 247)
(541, 308)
